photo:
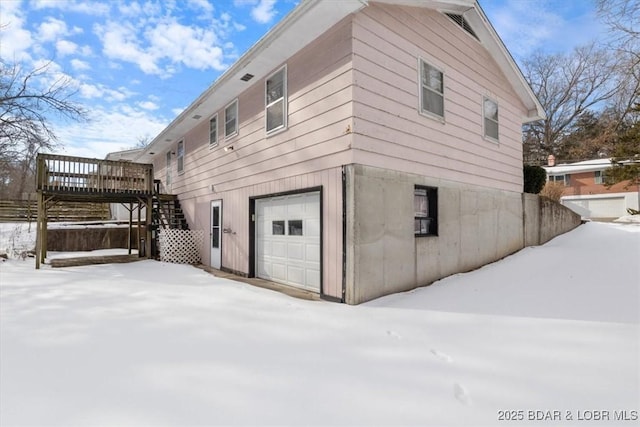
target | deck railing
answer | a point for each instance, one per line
(67, 174)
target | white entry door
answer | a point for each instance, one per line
(288, 239)
(216, 233)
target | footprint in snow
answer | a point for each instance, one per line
(461, 394)
(442, 356)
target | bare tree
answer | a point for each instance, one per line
(622, 17)
(567, 85)
(29, 100)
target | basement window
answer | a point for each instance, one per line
(425, 204)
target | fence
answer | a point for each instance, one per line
(180, 246)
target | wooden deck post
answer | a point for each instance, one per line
(148, 221)
(39, 229)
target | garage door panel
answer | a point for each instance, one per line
(288, 239)
(295, 251)
(295, 274)
(312, 252)
(313, 278)
(279, 249)
(278, 271)
(312, 226)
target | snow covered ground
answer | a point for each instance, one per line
(552, 331)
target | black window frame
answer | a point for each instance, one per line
(431, 194)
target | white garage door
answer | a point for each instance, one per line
(288, 240)
(592, 207)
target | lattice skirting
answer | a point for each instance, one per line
(181, 246)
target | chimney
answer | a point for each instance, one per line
(551, 160)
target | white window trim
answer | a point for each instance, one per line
(598, 178)
(178, 156)
(565, 181)
(214, 144)
(421, 111)
(484, 117)
(285, 102)
(231, 135)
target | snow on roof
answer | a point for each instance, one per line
(584, 166)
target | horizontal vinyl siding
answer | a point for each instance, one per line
(319, 86)
(309, 153)
(235, 249)
(391, 132)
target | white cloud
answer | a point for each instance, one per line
(16, 40)
(162, 47)
(108, 130)
(79, 65)
(200, 4)
(542, 25)
(120, 41)
(79, 6)
(194, 47)
(148, 105)
(65, 47)
(52, 29)
(264, 11)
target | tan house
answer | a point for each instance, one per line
(358, 149)
(586, 194)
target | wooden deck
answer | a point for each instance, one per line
(79, 178)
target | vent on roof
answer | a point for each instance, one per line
(196, 117)
(459, 19)
(246, 77)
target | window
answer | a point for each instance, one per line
(276, 100)
(277, 228)
(562, 179)
(490, 113)
(231, 119)
(295, 227)
(425, 204)
(598, 177)
(213, 131)
(431, 90)
(168, 175)
(180, 156)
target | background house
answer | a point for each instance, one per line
(586, 194)
(358, 149)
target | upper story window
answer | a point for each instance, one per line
(180, 156)
(276, 100)
(563, 179)
(213, 131)
(490, 114)
(431, 90)
(425, 204)
(598, 177)
(231, 119)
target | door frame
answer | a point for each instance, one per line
(212, 204)
(252, 229)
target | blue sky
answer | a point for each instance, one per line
(137, 64)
